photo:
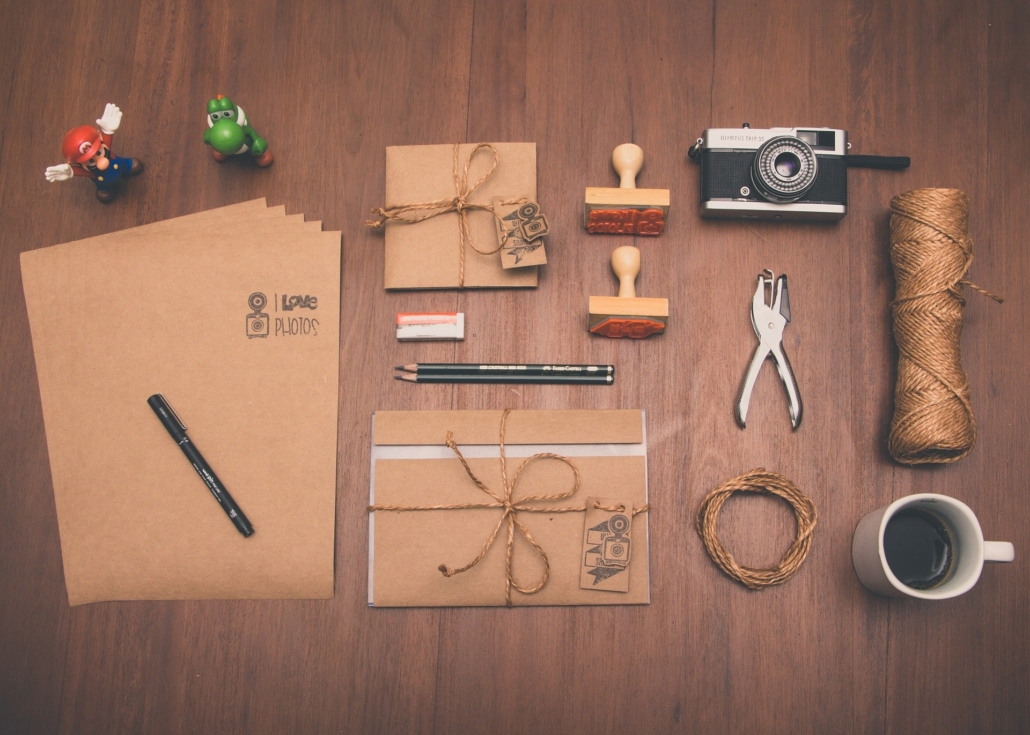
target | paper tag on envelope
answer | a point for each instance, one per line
(520, 231)
(606, 545)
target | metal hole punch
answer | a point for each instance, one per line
(769, 322)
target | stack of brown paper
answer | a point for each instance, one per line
(412, 467)
(426, 254)
(233, 315)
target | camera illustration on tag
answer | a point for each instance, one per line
(257, 321)
(528, 222)
(520, 229)
(606, 546)
(609, 553)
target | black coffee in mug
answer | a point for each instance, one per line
(918, 548)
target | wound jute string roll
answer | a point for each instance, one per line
(770, 483)
(931, 252)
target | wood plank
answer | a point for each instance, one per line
(784, 66)
(34, 614)
(945, 661)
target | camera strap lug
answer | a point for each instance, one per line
(694, 153)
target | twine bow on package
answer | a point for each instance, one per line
(508, 508)
(461, 216)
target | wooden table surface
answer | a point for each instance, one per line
(330, 85)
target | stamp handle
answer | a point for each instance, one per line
(626, 264)
(628, 159)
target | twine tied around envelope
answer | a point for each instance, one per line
(511, 510)
(459, 203)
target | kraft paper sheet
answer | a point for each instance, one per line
(163, 309)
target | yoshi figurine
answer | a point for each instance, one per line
(229, 133)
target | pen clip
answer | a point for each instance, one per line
(172, 412)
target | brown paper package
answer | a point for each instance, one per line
(407, 547)
(425, 255)
(163, 309)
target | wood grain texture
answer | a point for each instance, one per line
(329, 85)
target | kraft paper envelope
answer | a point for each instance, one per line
(169, 308)
(411, 466)
(426, 254)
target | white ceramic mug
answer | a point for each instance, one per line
(968, 546)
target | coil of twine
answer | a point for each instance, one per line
(758, 481)
(931, 252)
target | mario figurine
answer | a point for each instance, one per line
(229, 134)
(88, 153)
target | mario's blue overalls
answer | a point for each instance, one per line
(108, 179)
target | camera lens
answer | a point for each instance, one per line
(787, 165)
(784, 169)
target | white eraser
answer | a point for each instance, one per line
(430, 326)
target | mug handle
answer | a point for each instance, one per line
(999, 551)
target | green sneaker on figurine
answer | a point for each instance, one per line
(229, 134)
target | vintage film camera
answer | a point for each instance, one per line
(778, 173)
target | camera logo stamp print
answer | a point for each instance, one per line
(521, 227)
(606, 545)
(257, 320)
(260, 324)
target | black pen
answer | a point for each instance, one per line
(178, 431)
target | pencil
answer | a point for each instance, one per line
(508, 378)
(445, 368)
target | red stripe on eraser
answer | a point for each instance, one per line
(420, 318)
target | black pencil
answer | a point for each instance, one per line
(508, 378)
(457, 368)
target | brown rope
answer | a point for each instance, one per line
(510, 515)
(758, 481)
(458, 203)
(931, 252)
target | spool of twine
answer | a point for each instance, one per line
(757, 481)
(931, 252)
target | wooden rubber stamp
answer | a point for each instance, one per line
(626, 315)
(626, 210)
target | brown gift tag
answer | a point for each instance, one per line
(520, 231)
(606, 545)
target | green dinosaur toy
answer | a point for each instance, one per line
(228, 133)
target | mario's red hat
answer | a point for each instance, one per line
(81, 144)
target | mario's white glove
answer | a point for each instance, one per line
(60, 172)
(110, 120)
